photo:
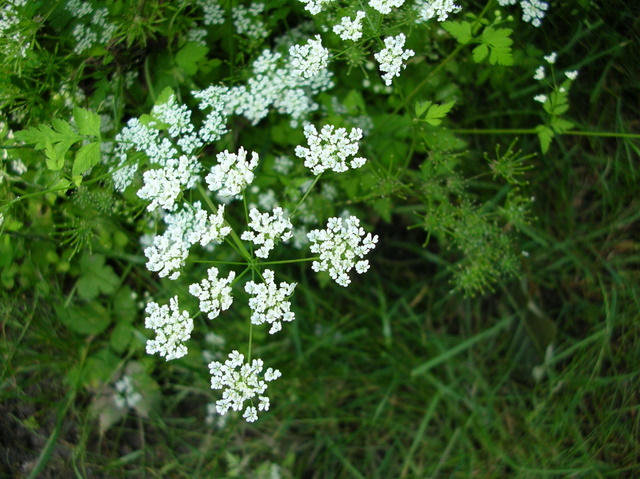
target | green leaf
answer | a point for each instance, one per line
(56, 142)
(190, 55)
(560, 125)
(480, 52)
(96, 278)
(461, 31)
(498, 42)
(88, 319)
(87, 156)
(124, 305)
(437, 112)
(87, 121)
(163, 98)
(121, 336)
(421, 107)
(545, 135)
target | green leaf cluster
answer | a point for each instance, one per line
(57, 141)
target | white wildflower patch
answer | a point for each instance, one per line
(385, 6)
(213, 13)
(232, 174)
(269, 302)
(350, 29)
(127, 396)
(176, 116)
(315, 6)
(330, 149)
(267, 230)
(162, 186)
(214, 293)
(341, 247)
(248, 21)
(172, 327)
(428, 9)
(392, 57)
(308, 60)
(241, 382)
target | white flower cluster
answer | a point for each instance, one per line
(391, 58)
(428, 9)
(176, 116)
(339, 246)
(214, 293)
(213, 12)
(271, 86)
(533, 11)
(241, 382)
(330, 149)
(385, 6)
(189, 226)
(99, 30)
(269, 303)
(267, 229)
(350, 29)
(163, 185)
(310, 59)
(128, 397)
(232, 174)
(14, 42)
(172, 328)
(315, 6)
(247, 21)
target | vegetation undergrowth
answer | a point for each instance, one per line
(432, 206)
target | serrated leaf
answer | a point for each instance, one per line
(87, 156)
(461, 31)
(163, 98)
(87, 121)
(54, 143)
(190, 55)
(121, 336)
(480, 52)
(499, 44)
(55, 155)
(96, 277)
(421, 107)
(437, 112)
(545, 135)
(88, 319)
(560, 125)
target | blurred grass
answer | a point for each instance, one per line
(395, 377)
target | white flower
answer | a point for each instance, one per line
(247, 21)
(315, 6)
(540, 98)
(269, 303)
(213, 13)
(539, 75)
(330, 149)
(172, 328)
(283, 164)
(167, 256)
(178, 117)
(384, 6)
(551, 58)
(241, 382)
(533, 11)
(267, 229)
(128, 397)
(572, 75)
(392, 56)
(308, 60)
(163, 186)
(435, 8)
(214, 293)
(350, 29)
(233, 173)
(339, 246)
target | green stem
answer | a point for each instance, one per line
(532, 131)
(305, 195)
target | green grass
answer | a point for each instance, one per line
(396, 376)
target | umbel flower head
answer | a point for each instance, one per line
(214, 293)
(240, 382)
(269, 303)
(232, 174)
(172, 327)
(329, 149)
(340, 245)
